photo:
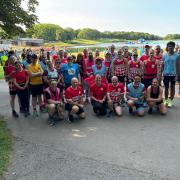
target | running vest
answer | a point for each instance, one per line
(52, 74)
(134, 68)
(119, 67)
(89, 65)
(154, 95)
(53, 96)
(136, 92)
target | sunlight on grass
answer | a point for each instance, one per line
(5, 147)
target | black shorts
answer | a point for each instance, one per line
(36, 90)
(68, 107)
(13, 93)
(121, 79)
(169, 79)
(147, 82)
(178, 78)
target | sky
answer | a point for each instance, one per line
(158, 17)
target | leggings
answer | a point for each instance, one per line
(99, 108)
(24, 99)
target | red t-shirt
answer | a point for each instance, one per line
(144, 57)
(150, 69)
(98, 91)
(8, 70)
(115, 91)
(74, 94)
(20, 76)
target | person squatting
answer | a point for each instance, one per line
(58, 83)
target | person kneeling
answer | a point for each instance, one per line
(154, 97)
(115, 95)
(74, 100)
(54, 102)
(135, 96)
(98, 92)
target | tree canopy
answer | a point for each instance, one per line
(13, 16)
(53, 32)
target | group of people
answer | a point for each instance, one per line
(60, 82)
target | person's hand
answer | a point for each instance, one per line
(81, 105)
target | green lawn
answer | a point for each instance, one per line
(1, 72)
(82, 42)
(5, 147)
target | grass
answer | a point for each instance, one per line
(1, 72)
(5, 147)
(81, 42)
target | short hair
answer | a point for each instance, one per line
(171, 43)
(34, 56)
(98, 60)
(137, 75)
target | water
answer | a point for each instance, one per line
(162, 43)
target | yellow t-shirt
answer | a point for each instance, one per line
(34, 69)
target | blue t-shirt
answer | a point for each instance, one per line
(25, 64)
(43, 65)
(69, 72)
(170, 64)
(100, 72)
(136, 92)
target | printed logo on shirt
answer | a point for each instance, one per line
(71, 71)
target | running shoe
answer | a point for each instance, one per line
(110, 113)
(14, 113)
(165, 101)
(51, 121)
(169, 103)
(35, 113)
(150, 110)
(70, 118)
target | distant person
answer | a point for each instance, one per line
(134, 67)
(27, 62)
(113, 53)
(158, 57)
(145, 56)
(70, 71)
(155, 97)
(120, 66)
(178, 75)
(150, 69)
(171, 67)
(9, 70)
(107, 63)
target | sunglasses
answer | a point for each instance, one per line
(58, 62)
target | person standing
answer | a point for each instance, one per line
(171, 67)
(36, 85)
(21, 81)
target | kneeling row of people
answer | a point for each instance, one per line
(102, 95)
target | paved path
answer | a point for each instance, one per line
(127, 148)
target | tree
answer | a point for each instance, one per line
(13, 16)
(3, 34)
(48, 32)
(88, 33)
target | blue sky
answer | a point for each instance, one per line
(156, 16)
